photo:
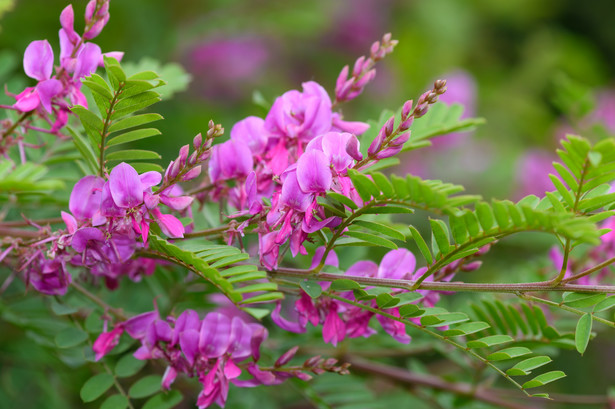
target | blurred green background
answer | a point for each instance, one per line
(538, 68)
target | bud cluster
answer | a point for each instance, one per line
(363, 71)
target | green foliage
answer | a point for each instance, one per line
(583, 333)
(117, 100)
(27, 178)
(586, 174)
(94, 387)
(146, 386)
(214, 263)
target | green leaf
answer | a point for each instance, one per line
(387, 209)
(85, 148)
(98, 88)
(467, 329)
(410, 310)
(582, 300)
(364, 185)
(525, 367)
(142, 167)
(269, 286)
(439, 320)
(381, 228)
(562, 190)
(344, 284)
(128, 366)
(543, 379)
(131, 136)
(343, 199)
(408, 297)
(266, 297)
(115, 402)
(423, 248)
(605, 304)
(386, 300)
(133, 121)
(583, 333)
(132, 154)
(440, 235)
(490, 341)
(509, 353)
(383, 183)
(439, 120)
(94, 387)
(485, 216)
(164, 400)
(145, 387)
(372, 239)
(312, 288)
(70, 337)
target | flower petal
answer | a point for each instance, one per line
(38, 60)
(313, 173)
(85, 199)
(125, 185)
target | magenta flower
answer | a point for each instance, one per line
(230, 160)
(300, 115)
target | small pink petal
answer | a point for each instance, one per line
(38, 60)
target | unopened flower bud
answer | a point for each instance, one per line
(96, 28)
(375, 47)
(388, 152)
(341, 79)
(420, 110)
(432, 98)
(358, 66)
(406, 124)
(389, 126)
(367, 77)
(439, 84)
(304, 376)
(286, 357)
(192, 173)
(352, 148)
(183, 155)
(313, 361)
(407, 108)
(386, 38)
(330, 362)
(104, 9)
(174, 169)
(473, 266)
(376, 143)
(197, 141)
(401, 139)
(192, 158)
(89, 11)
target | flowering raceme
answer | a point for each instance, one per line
(78, 59)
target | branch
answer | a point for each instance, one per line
(512, 288)
(434, 382)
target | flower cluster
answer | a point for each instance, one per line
(78, 59)
(216, 349)
(340, 320)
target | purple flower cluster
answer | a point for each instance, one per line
(340, 320)
(216, 349)
(298, 152)
(78, 59)
(109, 221)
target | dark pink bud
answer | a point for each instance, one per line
(183, 155)
(405, 111)
(388, 152)
(376, 143)
(197, 141)
(174, 169)
(104, 9)
(401, 139)
(406, 124)
(89, 10)
(286, 357)
(311, 362)
(370, 75)
(358, 66)
(192, 173)
(389, 126)
(96, 28)
(192, 158)
(303, 376)
(374, 48)
(341, 79)
(419, 111)
(473, 266)
(352, 148)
